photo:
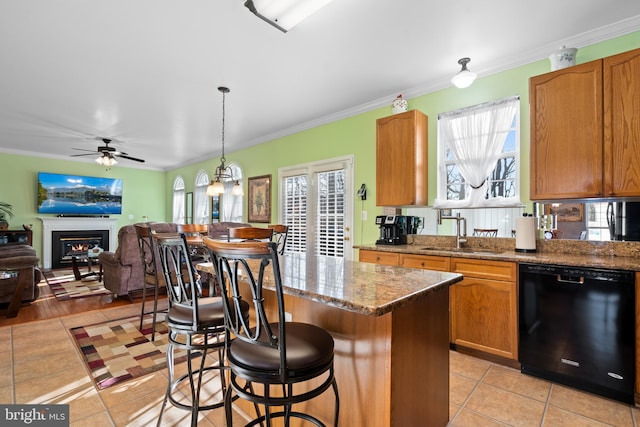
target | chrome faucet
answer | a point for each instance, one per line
(461, 232)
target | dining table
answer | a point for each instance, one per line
(391, 331)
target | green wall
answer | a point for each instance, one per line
(143, 190)
(150, 192)
(356, 135)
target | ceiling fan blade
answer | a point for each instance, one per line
(130, 158)
(82, 149)
(88, 154)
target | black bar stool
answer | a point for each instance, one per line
(272, 352)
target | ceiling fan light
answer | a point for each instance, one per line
(464, 78)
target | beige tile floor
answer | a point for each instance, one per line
(40, 364)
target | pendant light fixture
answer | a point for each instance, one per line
(464, 78)
(223, 172)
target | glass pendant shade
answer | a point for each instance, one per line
(215, 187)
(237, 189)
(464, 78)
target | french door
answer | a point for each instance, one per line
(315, 203)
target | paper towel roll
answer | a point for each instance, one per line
(526, 234)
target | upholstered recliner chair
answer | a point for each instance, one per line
(122, 270)
(18, 269)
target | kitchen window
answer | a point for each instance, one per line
(479, 155)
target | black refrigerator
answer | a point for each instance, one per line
(623, 219)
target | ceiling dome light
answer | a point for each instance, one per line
(464, 78)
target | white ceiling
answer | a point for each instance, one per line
(146, 72)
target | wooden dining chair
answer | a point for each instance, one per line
(250, 233)
(193, 232)
(485, 232)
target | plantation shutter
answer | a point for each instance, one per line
(294, 213)
(330, 213)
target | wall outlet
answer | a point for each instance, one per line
(287, 316)
(130, 216)
(363, 215)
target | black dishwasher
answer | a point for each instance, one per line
(577, 327)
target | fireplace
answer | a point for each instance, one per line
(68, 244)
(87, 225)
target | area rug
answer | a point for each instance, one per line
(64, 286)
(117, 351)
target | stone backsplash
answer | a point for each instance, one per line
(498, 244)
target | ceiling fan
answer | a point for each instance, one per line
(108, 153)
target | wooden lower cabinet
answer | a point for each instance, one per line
(484, 307)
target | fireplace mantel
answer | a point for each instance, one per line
(50, 224)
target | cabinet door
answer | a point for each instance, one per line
(483, 306)
(566, 133)
(401, 159)
(622, 124)
(382, 258)
(484, 316)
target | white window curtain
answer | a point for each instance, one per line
(178, 201)
(476, 136)
(231, 206)
(200, 200)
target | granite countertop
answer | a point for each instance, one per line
(358, 287)
(610, 255)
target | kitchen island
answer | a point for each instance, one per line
(391, 332)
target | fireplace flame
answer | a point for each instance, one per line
(79, 247)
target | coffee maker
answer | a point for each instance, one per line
(393, 229)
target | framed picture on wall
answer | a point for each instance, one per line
(566, 212)
(260, 199)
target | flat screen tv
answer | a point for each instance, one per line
(78, 195)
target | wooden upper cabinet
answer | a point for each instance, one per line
(622, 124)
(585, 130)
(566, 133)
(401, 159)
